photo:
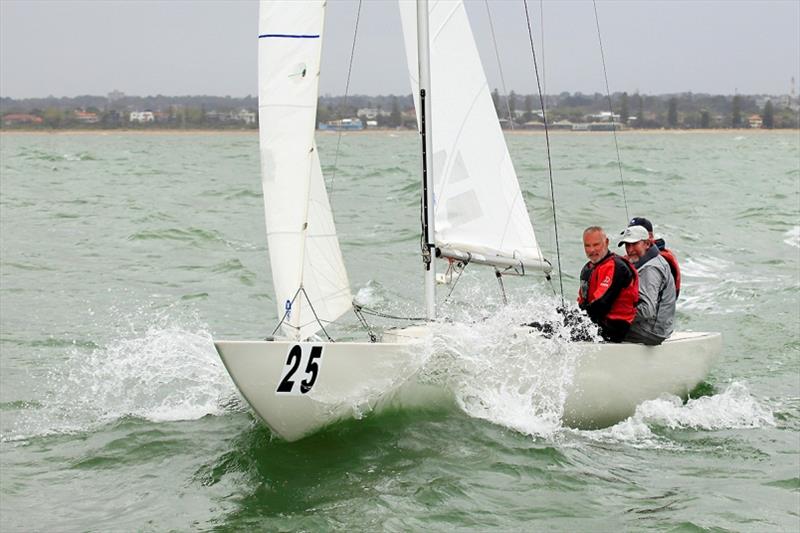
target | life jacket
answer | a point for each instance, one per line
(672, 261)
(609, 289)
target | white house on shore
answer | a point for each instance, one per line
(142, 116)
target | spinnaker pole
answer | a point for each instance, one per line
(428, 242)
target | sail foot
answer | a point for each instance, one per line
(522, 265)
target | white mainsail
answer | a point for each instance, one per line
(303, 247)
(478, 206)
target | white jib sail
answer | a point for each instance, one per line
(303, 247)
(478, 205)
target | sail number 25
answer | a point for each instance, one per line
(307, 357)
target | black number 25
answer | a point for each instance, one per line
(312, 369)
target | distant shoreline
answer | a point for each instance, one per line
(384, 131)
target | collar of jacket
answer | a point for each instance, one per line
(648, 255)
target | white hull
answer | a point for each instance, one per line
(612, 379)
(348, 379)
(353, 378)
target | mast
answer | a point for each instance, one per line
(428, 243)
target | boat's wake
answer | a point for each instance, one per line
(733, 408)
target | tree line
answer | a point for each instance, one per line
(684, 110)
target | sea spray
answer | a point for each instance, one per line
(792, 237)
(733, 408)
(168, 371)
(502, 371)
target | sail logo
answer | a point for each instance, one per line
(299, 71)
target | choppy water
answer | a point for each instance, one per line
(121, 256)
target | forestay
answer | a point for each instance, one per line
(303, 247)
(479, 210)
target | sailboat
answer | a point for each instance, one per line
(300, 380)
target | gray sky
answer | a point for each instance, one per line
(178, 47)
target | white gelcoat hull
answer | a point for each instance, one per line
(612, 379)
(354, 378)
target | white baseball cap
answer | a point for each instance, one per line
(633, 234)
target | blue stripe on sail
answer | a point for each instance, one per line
(287, 36)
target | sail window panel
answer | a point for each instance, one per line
(463, 209)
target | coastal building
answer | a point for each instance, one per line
(85, 117)
(345, 124)
(371, 113)
(755, 121)
(561, 125)
(14, 119)
(142, 116)
(248, 117)
(243, 115)
(604, 116)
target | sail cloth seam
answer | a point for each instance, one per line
(611, 110)
(547, 143)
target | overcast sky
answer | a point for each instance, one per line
(180, 47)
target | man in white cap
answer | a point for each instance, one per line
(655, 312)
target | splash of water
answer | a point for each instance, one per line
(792, 237)
(733, 408)
(503, 373)
(167, 372)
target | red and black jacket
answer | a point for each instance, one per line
(609, 289)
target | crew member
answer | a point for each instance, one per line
(655, 312)
(666, 253)
(609, 287)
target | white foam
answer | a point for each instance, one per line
(793, 237)
(503, 373)
(165, 373)
(704, 267)
(368, 294)
(734, 408)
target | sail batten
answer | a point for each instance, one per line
(303, 247)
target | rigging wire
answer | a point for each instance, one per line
(611, 110)
(499, 65)
(344, 104)
(290, 304)
(374, 312)
(547, 142)
(544, 57)
(464, 265)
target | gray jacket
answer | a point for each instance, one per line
(655, 312)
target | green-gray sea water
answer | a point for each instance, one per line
(123, 255)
